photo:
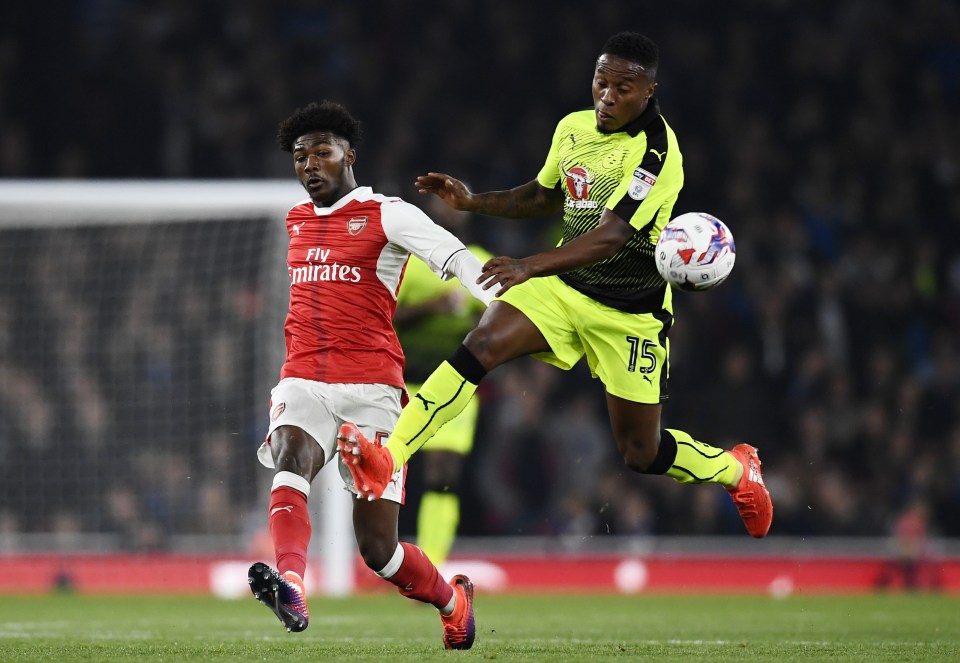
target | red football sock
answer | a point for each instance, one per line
(418, 579)
(290, 529)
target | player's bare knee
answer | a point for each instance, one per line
(639, 455)
(294, 451)
(478, 342)
(376, 552)
(441, 471)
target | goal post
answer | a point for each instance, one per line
(141, 330)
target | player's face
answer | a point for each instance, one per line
(323, 161)
(621, 90)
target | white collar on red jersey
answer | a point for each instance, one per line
(360, 193)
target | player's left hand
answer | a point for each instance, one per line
(503, 272)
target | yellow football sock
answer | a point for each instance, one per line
(697, 462)
(441, 398)
(437, 523)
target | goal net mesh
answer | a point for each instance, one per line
(140, 334)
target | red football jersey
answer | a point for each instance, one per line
(345, 264)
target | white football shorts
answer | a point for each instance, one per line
(319, 408)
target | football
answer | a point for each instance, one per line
(695, 251)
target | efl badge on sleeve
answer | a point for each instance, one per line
(642, 182)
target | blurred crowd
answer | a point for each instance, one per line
(825, 134)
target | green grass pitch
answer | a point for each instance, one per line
(387, 627)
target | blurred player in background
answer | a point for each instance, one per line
(913, 566)
(432, 318)
(348, 248)
(615, 171)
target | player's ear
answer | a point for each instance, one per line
(350, 157)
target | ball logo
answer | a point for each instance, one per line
(578, 181)
(356, 225)
(695, 251)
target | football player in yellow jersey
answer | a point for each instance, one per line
(432, 317)
(614, 171)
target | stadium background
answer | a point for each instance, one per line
(824, 133)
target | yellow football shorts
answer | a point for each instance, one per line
(629, 352)
(456, 435)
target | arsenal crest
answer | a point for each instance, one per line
(356, 225)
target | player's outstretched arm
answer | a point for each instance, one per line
(530, 199)
(449, 189)
(502, 273)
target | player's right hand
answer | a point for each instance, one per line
(503, 273)
(449, 189)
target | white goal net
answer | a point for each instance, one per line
(140, 333)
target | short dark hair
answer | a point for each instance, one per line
(634, 47)
(322, 116)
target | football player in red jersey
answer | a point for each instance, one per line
(347, 253)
